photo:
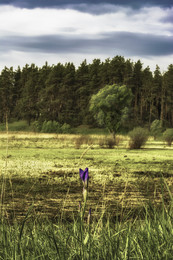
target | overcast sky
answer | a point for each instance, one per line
(35, 31)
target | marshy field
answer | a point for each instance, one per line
(129, 199)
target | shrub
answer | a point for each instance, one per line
(51, 127)
(66, 128)
(110, 142)
(101, 142)
(36, 126)
(156, 128)
(82, 139)
(168, 136)
(138, 137)
(79, 141)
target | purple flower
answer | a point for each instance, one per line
(84, 175)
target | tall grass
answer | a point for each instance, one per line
(146, 236)
(3, 175)
(149, 237)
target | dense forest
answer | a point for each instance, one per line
(62, 93)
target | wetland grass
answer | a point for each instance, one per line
(34, 238)
(129, 193)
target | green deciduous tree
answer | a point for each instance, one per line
(110, 106)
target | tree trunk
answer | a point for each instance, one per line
(162, 106)
(151, 110)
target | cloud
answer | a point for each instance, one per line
(92, 6)
(94, 29)
(168, 18)
(36, 22)
(118, 42)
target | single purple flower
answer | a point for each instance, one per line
(84, 175)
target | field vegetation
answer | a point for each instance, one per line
(69, 189)
(129, 194)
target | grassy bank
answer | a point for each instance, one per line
(129, 195)
(150, 238)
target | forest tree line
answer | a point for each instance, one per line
(62, 93)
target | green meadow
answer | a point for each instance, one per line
(129, 193)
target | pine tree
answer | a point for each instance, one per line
(50, 102)
(83, 93)
(146, 97)
(136, 85)
(28, 103)
(168, 95)
(67, 95)
(157, 89)
(7, 95)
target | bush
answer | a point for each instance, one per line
(110, 142)
(36, 126)
(79, 141)
(101, 142)
(83, 139)
(66, 128)
(138, 137)
(168, 136)
(156, 128)
(51, 127)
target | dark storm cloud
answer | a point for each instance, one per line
(123, 43)
(85, 5)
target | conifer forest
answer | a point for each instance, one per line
(62, 92)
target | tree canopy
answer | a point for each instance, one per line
(110, 106)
